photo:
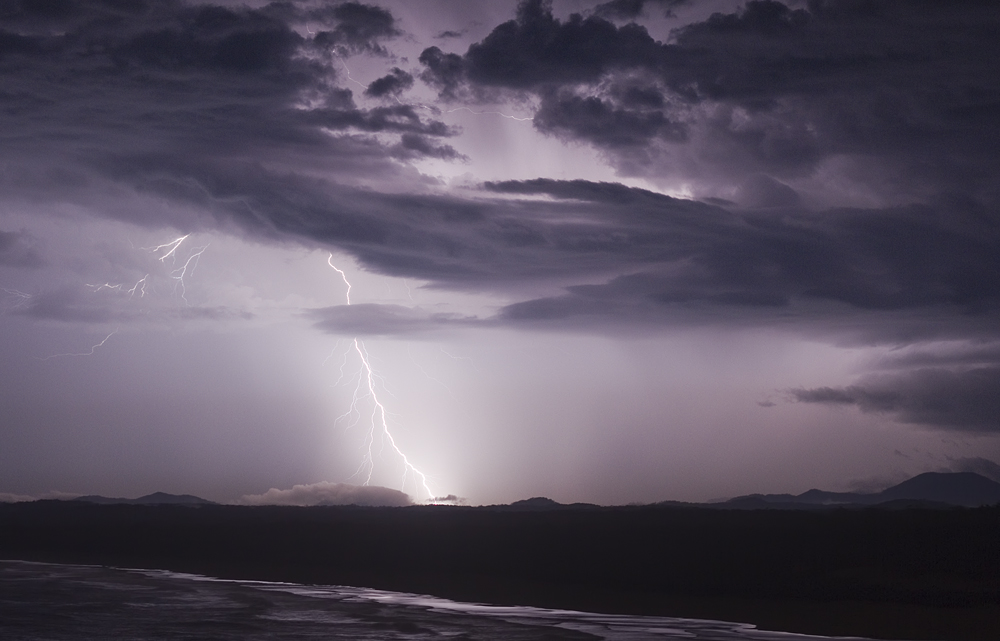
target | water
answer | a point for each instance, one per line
(75, 602)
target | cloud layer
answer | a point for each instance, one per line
(236, 113)
(326, 493)
(896, 97)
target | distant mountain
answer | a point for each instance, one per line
(541, 504)
(156, 498)
(931, 488)
(957, 488)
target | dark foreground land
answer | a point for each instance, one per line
(893, 574)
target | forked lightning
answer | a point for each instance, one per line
(366, 388)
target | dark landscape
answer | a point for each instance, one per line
(895, 570)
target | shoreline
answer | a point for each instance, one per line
(910, 575)
(839, 619)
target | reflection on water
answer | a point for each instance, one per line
(73, 602)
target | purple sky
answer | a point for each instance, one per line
(609, 252)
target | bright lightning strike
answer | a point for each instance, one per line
(344, 62)
(342, 275)
(97, 288)
(92, 349)
(142, 290)
(181, 272)
(366, 388)
(171, 247)
(487, 113)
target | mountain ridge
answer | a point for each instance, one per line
(966, 489)
(156, 498)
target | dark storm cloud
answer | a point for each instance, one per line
(360, 26)
(966, 399)
(351, 27)
(631, 9)
(235, 113)
(603, 123)
(904, 88)
(417, 146)
(880, 260)
(950, 385)
(536, 49)
(368, 319)
(227, 109)
(762, 191)
(103, 83)
(17, 249)
(444, 70)
(950, 355)
(393, 84)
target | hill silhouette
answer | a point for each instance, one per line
(935, 489)
(156, 498)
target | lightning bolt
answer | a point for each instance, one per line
(171, 247)
(344, 62)
(97, 288)
(366, 388)
(18, 299)
(342, 275)
(488, 113)
(424, 372)
(179, 273)
(142, 291)
(90, 353)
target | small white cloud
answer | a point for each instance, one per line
(14, 498)
(6, 497)
(326, 493)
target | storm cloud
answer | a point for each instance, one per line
(391, 85)
(901, 89)
(635, 248)
(148, 89)
(965, 399)
(368, 319)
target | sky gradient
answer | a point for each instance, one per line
(608, 252)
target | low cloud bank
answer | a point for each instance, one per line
(979, 465)
(326, 493)
(6, 497)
